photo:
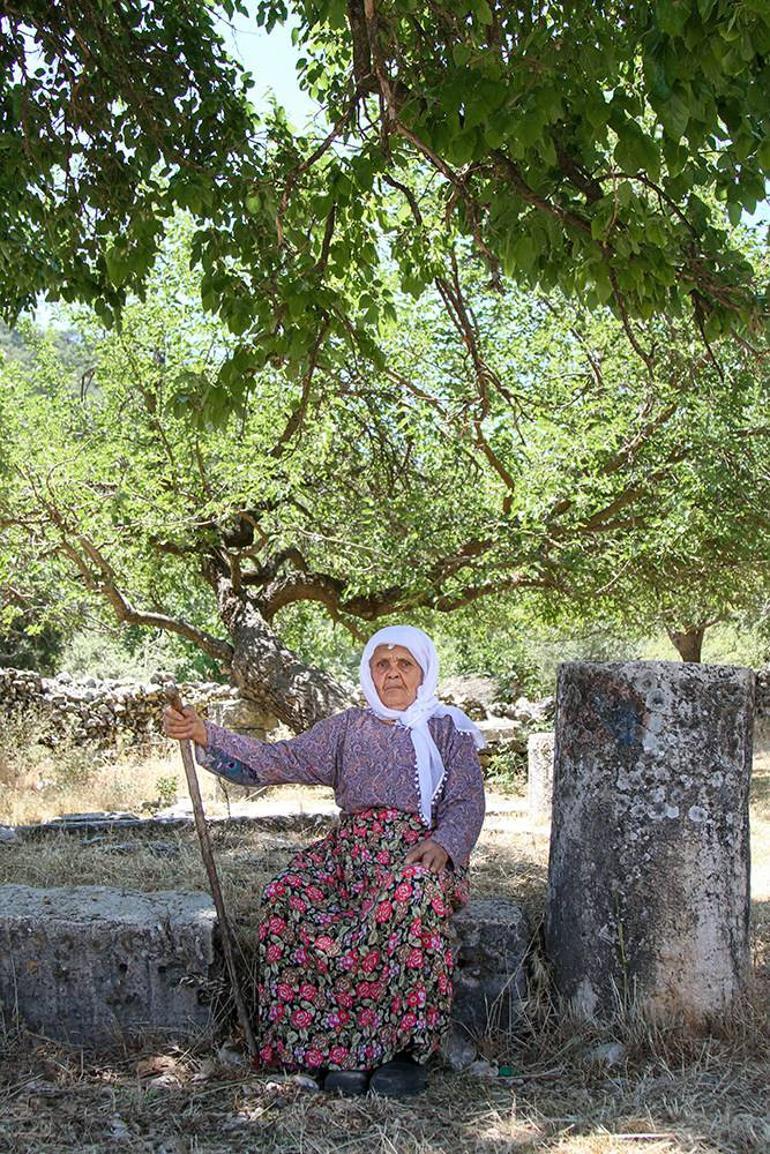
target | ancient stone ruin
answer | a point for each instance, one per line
(540, 776)
(648, 894)
(91, 964)
(540, 751)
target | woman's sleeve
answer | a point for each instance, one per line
(309, 759)
(460, 809)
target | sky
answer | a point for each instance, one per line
(271, 60)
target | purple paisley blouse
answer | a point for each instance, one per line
(369, 764)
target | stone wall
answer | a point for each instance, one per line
(106, 713)
(506, 725)
(110, 712)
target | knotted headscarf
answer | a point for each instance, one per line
(430, 767)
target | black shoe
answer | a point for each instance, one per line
(349, 1083)
(400, 1078)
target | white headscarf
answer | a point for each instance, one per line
(430, 767)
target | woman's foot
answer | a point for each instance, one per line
(349, 1083)
(400, 1078)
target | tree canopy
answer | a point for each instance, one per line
(603, 149)
(463, 339)
(510, 445)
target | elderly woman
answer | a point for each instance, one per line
(355, 968)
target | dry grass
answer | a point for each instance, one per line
(668, 1092)
(168, 1100)
(38, 783)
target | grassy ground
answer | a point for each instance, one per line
(666, 1091)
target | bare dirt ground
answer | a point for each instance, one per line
(664, 1091)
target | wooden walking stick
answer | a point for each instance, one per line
(174, 700)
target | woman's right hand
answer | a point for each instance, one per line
(184, 726)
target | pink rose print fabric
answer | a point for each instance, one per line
(355, 963)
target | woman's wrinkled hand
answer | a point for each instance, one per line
(184, 726)
(429, 854)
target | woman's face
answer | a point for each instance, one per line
(396, 676)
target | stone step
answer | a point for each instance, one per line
(269, 820)
(86, 824)
(88, 964)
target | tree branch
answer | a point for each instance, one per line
(104, 582)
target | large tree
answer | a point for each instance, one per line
(510, 445)
(596, 147)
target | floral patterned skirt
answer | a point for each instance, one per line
(355, 963)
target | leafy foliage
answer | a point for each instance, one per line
(602, 149)
(513, 460)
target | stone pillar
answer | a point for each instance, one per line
(648, 892)
(540, 775)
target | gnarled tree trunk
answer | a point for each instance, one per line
(268, 673)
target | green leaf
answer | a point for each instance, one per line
(482, 11)
(675, 115)
(636, 151)
(672, 15)
(525, 251)
(117, 268)
(734, 213)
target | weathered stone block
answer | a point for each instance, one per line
(540, 775)
(86, 963)
(493, 940)
(243, 716)
(648, 898)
